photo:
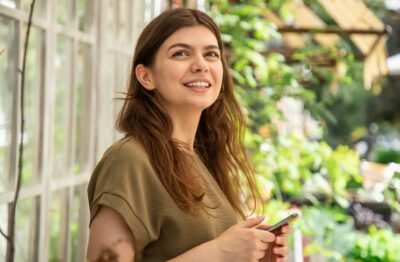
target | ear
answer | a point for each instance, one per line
(145, 77)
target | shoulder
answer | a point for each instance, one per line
(126, 149)
(123, 164)
(124, 181)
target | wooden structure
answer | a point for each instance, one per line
(353, 19)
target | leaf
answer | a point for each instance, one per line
(343, 202)
(249, 76)
(238, 77)
(240, 64)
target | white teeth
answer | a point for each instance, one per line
(197, 84)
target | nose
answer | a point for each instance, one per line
(199, 65)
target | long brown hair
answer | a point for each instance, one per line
(220, 131)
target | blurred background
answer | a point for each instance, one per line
(319, 81)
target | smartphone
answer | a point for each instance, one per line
(283, 222)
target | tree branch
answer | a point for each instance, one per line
(11, 219)
(3, 234)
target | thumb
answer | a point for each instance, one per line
(252, 222)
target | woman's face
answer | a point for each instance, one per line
(188, 72)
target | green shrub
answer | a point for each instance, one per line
(378, 245)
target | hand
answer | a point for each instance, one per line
(278, 251)
(243, 243)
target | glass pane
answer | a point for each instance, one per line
(106, 105)
(148, 11)
(85, 15)
(8, 74)
(33, 81)
(124, 18)
(82, 108)
(111, 18)
(78, 226)
(62, 64)
(121, 86)
(63, 11)
(3, 225)
(25, 229)
(58, 230)
(40, 7)
(9, 3)
(138, 17)
(123, 73)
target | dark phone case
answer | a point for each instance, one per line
(283, 222)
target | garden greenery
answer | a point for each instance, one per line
(300, 165)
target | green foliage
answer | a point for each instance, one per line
(54, 236)
(332, 235)
(392, 193)
(378, 7)
(386, 156)
(261, 80)
(343, 94)
(290, 165)
(303, 168)
(348, 105)
(74, 231)
(276, 210)
(330, 232)
(378, 245)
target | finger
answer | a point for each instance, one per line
(266, 227)
(282, 251)
(283, 230)
(263, 227)
(265, 236)
(286, 229)
(281, 240)
(262, 246)
(259, 254)
(252, 222)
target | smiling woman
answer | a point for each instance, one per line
(170, 189)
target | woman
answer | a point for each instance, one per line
(170, 189)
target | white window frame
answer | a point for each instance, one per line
(47, 184)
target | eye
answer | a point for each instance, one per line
(212, 54)
(180, 53)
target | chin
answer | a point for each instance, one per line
(200, 103)
(204, 106)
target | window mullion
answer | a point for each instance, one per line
(15, 125)
(46, 131)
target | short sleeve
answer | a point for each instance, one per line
(125, 181)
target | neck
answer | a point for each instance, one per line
(185, 127)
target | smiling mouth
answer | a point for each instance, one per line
(198, 85)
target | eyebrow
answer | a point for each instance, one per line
(189, 47)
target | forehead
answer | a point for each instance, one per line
(198, 35)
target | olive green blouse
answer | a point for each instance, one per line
(125, 181)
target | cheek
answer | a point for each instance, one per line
(218, 73)
(170, 72)
(164, 77)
